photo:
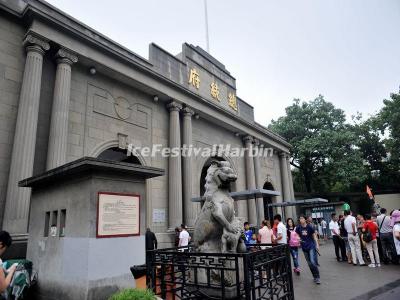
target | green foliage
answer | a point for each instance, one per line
(133, 294)
(332, 155)
(323, 146)
(388, 119)
(384, 156)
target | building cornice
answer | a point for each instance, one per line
(46, 12)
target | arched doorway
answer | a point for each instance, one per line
(204, 172)
(118, 154)
(268, 199)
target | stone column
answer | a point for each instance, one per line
(174, 168)
(259, 183)
(23, 153)
(285, 181)
(250, 180)
(190, 208)
(58, 138)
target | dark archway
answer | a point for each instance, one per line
(118, 154)
(204, 172)
(268, 199)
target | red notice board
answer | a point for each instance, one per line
(118, 215)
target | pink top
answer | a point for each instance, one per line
(265, 235)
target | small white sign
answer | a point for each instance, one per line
(53, 231)
(158, 215)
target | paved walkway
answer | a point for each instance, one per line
(343, 281)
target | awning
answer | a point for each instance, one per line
(298, 202)
(245, 195)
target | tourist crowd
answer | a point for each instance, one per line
(356, 239)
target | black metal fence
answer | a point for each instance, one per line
(264, 272)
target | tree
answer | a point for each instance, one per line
(387, 121)
(323, 145)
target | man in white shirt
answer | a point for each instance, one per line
(281, 231)
(184, 237)
(335, 233)
(350, 224)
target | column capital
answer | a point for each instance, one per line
(174, 106)
(35, 42)
(256, 142)
(188, 112)
(283, 155)
(65, 55)
(248, 139)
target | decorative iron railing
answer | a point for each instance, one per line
(264, 272)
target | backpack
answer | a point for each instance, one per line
(367, 236)
(294, 239)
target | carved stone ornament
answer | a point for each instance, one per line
(248, 139)
(174, 106)
(122, 108)
(67, 56)
(188, 112)
(32, 39)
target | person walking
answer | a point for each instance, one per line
(309, 245)
(335, 233)
(350, 224)
(312, 224)
(386, 237)
(369, 236)
(294, 244)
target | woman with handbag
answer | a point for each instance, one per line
(294, 244)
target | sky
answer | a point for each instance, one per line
(346, 50)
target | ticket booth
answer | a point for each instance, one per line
(86, 227)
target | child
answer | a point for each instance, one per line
(253, 240)
(253, 243)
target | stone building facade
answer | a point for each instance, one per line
(67, 91)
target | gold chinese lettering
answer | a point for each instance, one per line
(232, 101)
(215, 90)
(194, 78)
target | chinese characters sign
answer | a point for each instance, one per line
(194, 78)
(232, 102)
(215, 91)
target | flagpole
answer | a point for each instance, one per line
(206, 17)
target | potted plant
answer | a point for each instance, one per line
(133, 294)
